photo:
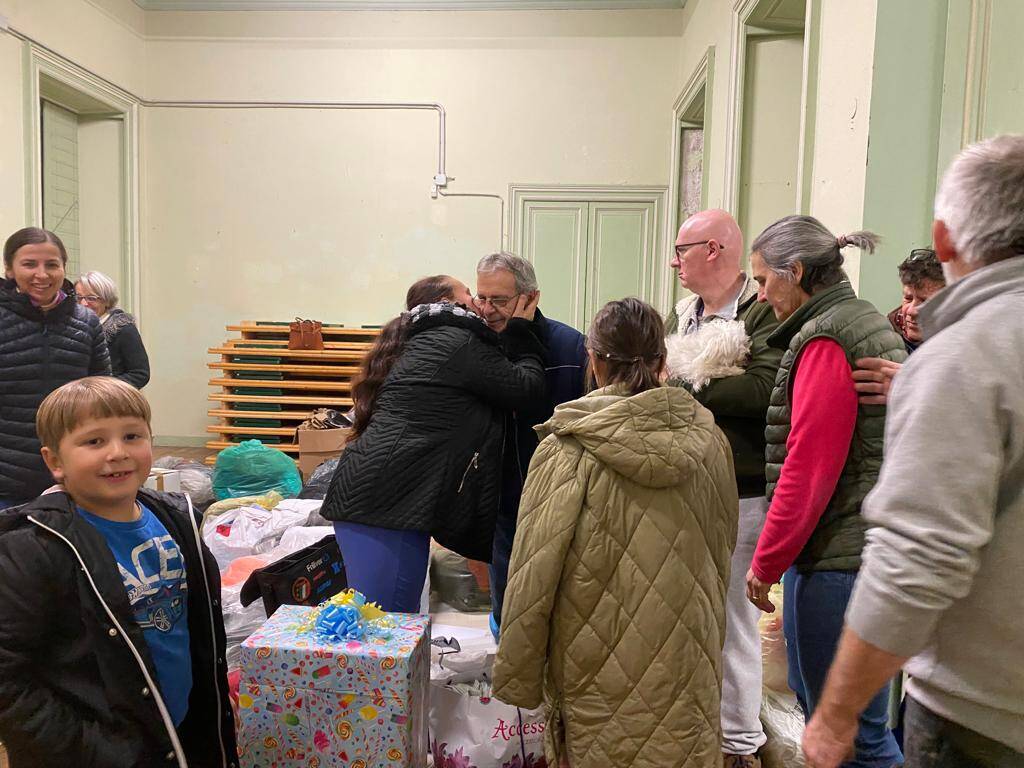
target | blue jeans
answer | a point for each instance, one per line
(813, 608)
(501, 554)
(386, 565)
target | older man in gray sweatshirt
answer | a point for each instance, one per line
(941, 589)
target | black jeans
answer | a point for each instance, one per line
(931, 741)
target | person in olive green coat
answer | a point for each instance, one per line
(615, 609)
(823, 457)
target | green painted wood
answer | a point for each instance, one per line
(1002, 101)
(621, 253)
(554, 239)
(899, 189)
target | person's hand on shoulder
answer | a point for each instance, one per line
(873, 378)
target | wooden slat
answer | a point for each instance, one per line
(341, 355)
(311, 370)
(250, 327)
(223, 429)
(225, 397)
(240, 344)
(318, 386)
(231, 413)
(220, 445)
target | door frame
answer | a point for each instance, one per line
(756, 18)
(41, 63)
(699, 87)
(653, 279)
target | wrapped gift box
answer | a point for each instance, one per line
(352, 704)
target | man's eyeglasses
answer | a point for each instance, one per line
(682, 248)
(498, 302)
(921, 253)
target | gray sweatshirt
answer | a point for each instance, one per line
(943, 573)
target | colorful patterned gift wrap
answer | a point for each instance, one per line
(313, 703)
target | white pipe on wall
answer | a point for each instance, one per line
(438, 184)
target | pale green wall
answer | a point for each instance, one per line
(960, 81)
(905, 104)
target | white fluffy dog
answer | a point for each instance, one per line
(715, 350)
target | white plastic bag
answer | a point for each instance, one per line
(460, 654)
(468, 727)
(783, 722)
(239, 622)
(249, 531)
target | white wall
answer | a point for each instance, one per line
(272, 214)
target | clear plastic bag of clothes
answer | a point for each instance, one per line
(252, 468)
(196, 478)
(773, 645)
(461, 583)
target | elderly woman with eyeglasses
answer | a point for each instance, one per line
(824, 451)
(128, 359)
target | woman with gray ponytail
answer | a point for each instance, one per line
(626, 527)
(823, 456)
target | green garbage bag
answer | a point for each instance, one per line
(253, 469)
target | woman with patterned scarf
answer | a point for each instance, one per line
(424, 458)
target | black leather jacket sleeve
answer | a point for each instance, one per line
(33, 720)
(508, 382)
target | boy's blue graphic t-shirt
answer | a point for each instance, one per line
(153, 571)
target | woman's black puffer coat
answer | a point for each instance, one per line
(430, 459)
(39, 351)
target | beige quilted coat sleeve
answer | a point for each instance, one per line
(551, 502)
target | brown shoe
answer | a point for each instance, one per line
(741, 761)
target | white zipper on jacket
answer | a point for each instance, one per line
(213, 631)
(154, 690)
(472, 465)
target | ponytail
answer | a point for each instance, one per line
(629, 336)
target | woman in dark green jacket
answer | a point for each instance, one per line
(823, 456)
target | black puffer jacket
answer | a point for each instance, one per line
(430, 459)
(77, 682)
(128, 359)
(39, 351)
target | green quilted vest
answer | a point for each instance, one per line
(833, 313)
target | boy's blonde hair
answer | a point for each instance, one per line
(95, 397)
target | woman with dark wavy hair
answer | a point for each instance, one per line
(424, 458)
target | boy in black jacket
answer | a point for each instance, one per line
(112, 651)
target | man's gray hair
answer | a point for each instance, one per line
(981, 200)
(805, 240)
(521, 269)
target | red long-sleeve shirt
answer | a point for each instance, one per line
(823, 417)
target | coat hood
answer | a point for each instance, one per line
(655, 438)
(954, 301)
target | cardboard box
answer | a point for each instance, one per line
(353, 704)
(317, 446)
(164, 480)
